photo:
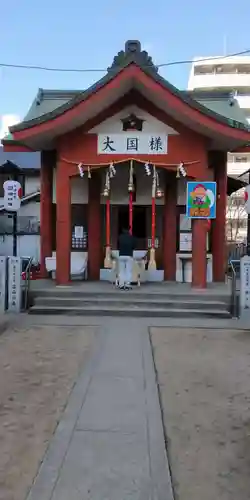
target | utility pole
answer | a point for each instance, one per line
(248, 223)
(14, 231)
(247, 200)
(14, 228)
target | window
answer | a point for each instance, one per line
(203, 70)
(26, 224)
(244, 69)
(241, 159)
(226, 69)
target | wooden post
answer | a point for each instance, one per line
(107, 260)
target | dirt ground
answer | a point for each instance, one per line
(204, 380)
(38, 367)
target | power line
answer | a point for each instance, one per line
(191, 61)
(99, 70)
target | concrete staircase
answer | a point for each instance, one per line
(135, 303)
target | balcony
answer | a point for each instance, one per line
(217, 80)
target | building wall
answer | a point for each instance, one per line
(113, 125)
(82, 147)
(32, 184)
(237, 78)
(119, 187)
(28, 245)
(218, 72)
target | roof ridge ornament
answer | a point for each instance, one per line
(133, 53)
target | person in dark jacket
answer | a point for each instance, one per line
(126, 246)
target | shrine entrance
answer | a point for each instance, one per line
(139, 223)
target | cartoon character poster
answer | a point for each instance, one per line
(201, 200)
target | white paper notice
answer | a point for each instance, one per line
(78, 231)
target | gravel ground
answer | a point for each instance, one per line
(204, 382)
(38, 367)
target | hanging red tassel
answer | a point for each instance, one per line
(153, 223)
(108, 222)
(131, 212)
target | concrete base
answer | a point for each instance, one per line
(151, 276)
(154, 275)
(107, 275)
(187, 257)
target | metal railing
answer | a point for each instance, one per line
(234, 276)
(25, 224)
(236, 251)
(27, 283)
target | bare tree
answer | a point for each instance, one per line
(236, 216)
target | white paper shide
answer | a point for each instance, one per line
(132, 143)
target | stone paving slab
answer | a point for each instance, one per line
(224, 324)
(110, 443)
(129, 343)
(123, 406)
(104, 466)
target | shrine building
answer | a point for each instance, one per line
(120, 154)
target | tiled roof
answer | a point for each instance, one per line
(47, 107)
(22, 160)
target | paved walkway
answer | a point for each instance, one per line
(109, 444)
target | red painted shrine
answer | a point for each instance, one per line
(121, 152)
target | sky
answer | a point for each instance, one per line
(80, 34)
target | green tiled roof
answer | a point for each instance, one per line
(223, 108)
(49, 100)
(219, 102)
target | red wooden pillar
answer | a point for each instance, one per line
(199, 253)
(219, 224)
(63, 225)
(170, 227)
(46, 190)
(94, 227)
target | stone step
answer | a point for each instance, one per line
(130, 312)
(124, 300)
(112, 294)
